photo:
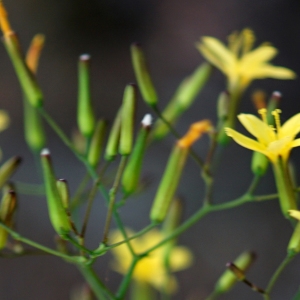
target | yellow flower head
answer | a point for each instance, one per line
(150, 269)
(272, 142)
(239, 62)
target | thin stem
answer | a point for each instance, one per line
(99, 289)
(76, 198)
(276, 275)
(27, 241)
(112, 197)
(127, 278)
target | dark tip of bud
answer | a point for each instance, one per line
(62, 180)
(12, 192)
(85, 57)
(18, 159)
(147, 121)
(132, 84)
(226, 92)
(136, 44)
(229, 264)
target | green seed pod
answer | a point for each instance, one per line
(223, 106)
(228, 279)
(63, 189)
(168, 184)
(8, 168)
(111, 149)
(26, 78)
(85, 112)
(183, 98)
(96, 145)
(34, 132)
(142, 75)
(133, 168)
(7, 209)
(56, 210)
(127, 119)
(294, 243)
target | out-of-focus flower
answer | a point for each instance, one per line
(239, 61)
(150, 269)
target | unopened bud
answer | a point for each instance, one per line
(133, 168)
(63, 190)
(56, 210)
(259, 99)
(294, 243)
(223, 105)
(85, 112)
(231, 276)
(111, 149)
(127, 119)
(8, 168)
(142, 75)
(96, 145)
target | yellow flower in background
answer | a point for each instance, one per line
(150, 269)
(272, 142)
(4, 120)
(239, 61)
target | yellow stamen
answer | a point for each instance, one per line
(276, 113)
(34, 52)
(195, 132)
(4, 23)
(263, 114)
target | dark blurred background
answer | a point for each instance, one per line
(168, 31)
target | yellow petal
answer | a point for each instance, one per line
(257, 128)
(4, 120)
(217, 53)
(291, 127)
(181, 258)
(269, 71)
(295, 214)
(295, 143)
(258, 56)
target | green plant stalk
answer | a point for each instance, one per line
(276, 275)
(99, 289)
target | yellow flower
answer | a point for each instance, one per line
(295, 214)
(272, 142)
(150, 269)
(4, 120)
(239, 62)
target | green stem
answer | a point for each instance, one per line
(18, 237)
(276, 275)
(127, 279)
(112, 198)
(99, 289)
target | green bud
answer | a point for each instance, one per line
(8, 168)
(85, 112)
(294, 243)
(63, 190)
(26, 78)
(7, 209)
(96, 145)
(133, 168)
(142, 75)
(173, 217)
(34, 132)
(183, 98)
(56, 210)
(111, 150)
(223, 105)
(229, 279)
(168, 184)
(127, 119)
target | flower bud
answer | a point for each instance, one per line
(7, 208)
(133, 168)
(294, 243)
(183, 98)
(223, 105)
(63, 190)
(127, 119)
(114, 137)
(85, 112)
(8, 168)
(228, 279)
(56, 210)
(96, 145)
(173, 171)
(26, 78)
(142, 75)
(259, 99)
